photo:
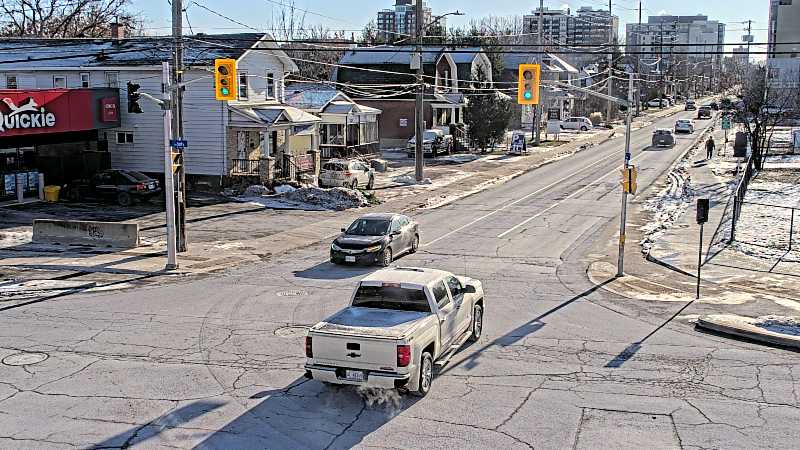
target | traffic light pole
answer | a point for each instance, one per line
(624, 215)
(169, 178)
(537, 109)
(419, 117)
(177, 119)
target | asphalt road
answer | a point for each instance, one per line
(216, 363)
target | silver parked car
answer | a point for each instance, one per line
(663, 137)
(346, 173)
(577, 123)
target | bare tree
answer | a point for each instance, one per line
(64, 18)
(288, 21)
(315, 59)
(764, 105)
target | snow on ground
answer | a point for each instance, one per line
(763, 229)
(779, 324)
(782, 162)
(284, 189)
(458, 158)
(668, 205)
(410, 180)
(11, 237)
(309, 198)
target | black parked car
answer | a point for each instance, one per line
(121, 186)
(376, 238)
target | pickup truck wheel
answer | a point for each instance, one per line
(477, 323)
(425, 375)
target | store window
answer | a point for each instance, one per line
(242, 85)
(59, 81)
(124, 137)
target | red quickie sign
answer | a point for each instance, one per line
(45, 111)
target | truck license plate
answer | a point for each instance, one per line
(350, 259)
(354, 375)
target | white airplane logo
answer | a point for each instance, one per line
(30, 106)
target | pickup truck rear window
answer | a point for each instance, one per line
(396, 298)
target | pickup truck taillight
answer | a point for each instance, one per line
(403, 355)
(309, 348)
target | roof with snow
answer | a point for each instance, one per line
(382, 54)
(309, 95)
(199, 50)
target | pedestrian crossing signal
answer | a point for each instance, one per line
(225, 79)
(528, 84)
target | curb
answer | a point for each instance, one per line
(742, 327)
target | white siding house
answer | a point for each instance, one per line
(138, 144)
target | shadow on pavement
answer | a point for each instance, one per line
(329, 271)
(156, 427)
(309, 415)
(521, 332)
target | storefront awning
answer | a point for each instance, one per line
(279, 116)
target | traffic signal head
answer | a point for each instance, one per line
(133, 98)
(225, 79)
(528, 84)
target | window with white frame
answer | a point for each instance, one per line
(11, 82)
(112, 79)
(59, 81)
(243, 86)
(270, 85)
(124, 137)
(85, 79)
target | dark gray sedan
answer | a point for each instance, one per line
(663, 137)
(376, 238)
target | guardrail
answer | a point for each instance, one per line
(245, 167)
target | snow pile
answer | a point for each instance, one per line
(459, 158)
(409, 180)
(667, 206)
(256, 190)
(309, 198)
(762, 230)
(284, 189)
(782, 162)
(779, 324)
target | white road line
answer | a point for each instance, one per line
(574, 194)
(450, 233)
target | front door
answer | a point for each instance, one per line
(463, 311)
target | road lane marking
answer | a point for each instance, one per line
(450, 233)
(574, 194)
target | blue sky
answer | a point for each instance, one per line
(354, 14)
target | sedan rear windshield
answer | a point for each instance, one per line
(662, 132)
(391, 297)
(137, 176)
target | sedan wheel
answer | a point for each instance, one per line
(386, 257)
(124, 199)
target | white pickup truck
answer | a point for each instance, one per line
(400, 322)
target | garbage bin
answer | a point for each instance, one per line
(51, 193)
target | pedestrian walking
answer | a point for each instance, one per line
(710, 147)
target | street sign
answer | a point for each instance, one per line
(726, 123)
(178, 144)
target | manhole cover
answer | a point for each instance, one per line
(291, 331)
(291, 293)
(24, 359)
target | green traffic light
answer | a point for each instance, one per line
(528, 95)
(224, 91)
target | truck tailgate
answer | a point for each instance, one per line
(356, 352)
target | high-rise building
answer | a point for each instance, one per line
(400, 22)
(678, 48)
(586, 29)
(783, 59)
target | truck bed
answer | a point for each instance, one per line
(372, 322)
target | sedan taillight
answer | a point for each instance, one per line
(309, 348)
(140, 187)
(403, 355)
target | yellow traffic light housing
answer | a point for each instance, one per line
(225, 79)
(528, 84)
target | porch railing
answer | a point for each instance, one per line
(245, 166)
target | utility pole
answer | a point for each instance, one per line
(419, 18)
(610, 84)
(639, 62)
(177, 118)
(537, 109)
(661, 64)
(749, 29)
(169, 176)
(626, 164)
